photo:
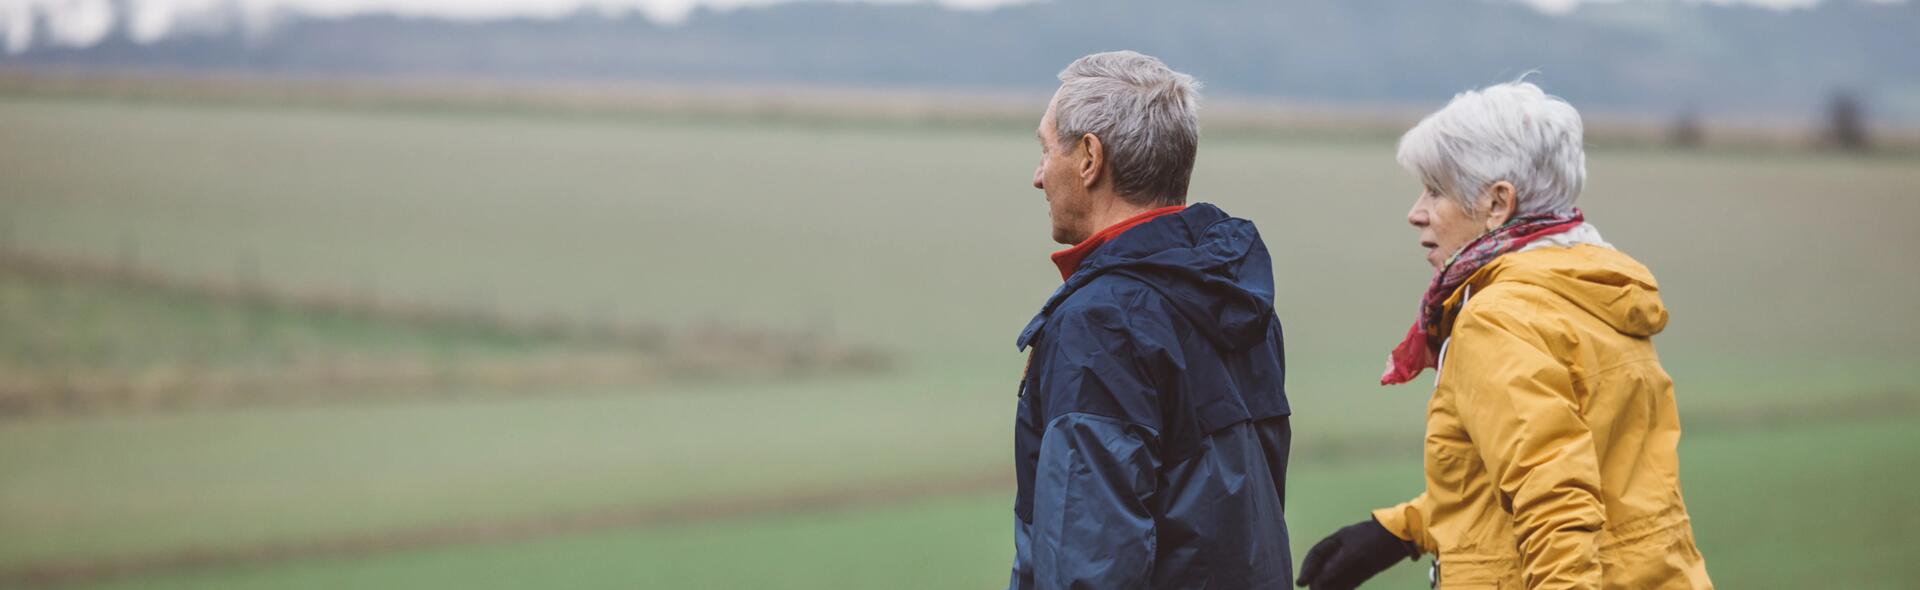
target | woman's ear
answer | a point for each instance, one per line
(1501, 203)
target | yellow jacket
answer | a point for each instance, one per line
(1551, 434)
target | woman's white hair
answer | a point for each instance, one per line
(1513, 132)
(1146, 116)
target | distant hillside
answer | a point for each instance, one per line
(1649, 57)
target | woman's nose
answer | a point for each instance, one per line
(1417, 215)
(1036, 175)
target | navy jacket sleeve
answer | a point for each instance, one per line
(1091, 526)
(1097, 464)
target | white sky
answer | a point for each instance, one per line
(84, 22)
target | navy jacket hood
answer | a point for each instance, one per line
(1212, 268)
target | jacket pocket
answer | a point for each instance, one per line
(1479, 573)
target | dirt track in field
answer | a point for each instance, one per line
(722, 509)
(475, 533)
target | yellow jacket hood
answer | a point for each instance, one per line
(1600, 280)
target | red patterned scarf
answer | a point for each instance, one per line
(1417, 351)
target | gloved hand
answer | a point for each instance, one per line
(1351, 555)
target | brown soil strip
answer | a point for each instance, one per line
(458, 534)
(1849, 408)
(187, 386)
(1852, 408)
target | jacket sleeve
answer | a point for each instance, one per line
(1022, 570)
(1519, 407)
(1091, 526)
(1408, 521)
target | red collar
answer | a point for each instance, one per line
(1069, 259)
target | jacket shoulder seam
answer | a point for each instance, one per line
(1051, 422)
(1127, 296)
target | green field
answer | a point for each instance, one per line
(1753, 519)
(1789, 276)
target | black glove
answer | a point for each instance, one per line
(1351, 555)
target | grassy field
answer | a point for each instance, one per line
(1755, 526)
(1789, 276)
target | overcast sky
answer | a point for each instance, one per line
(83, 22)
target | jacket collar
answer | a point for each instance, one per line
(1069, 260)
(1119, 249)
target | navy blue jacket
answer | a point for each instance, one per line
(1152, 437)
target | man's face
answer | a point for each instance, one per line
(1069, 204)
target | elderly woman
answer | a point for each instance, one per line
(1551, 432)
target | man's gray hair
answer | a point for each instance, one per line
(1146, 116)
(1513, 132)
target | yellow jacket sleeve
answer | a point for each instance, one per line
(1408, 521)
(1517, 403)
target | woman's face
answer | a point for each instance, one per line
(1445, 227)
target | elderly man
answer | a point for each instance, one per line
(1551, 429)
(1152, 435)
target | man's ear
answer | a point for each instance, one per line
(1093, 162)
(1501, 203)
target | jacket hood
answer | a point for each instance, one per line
(1212, 268)
(1600, 280)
